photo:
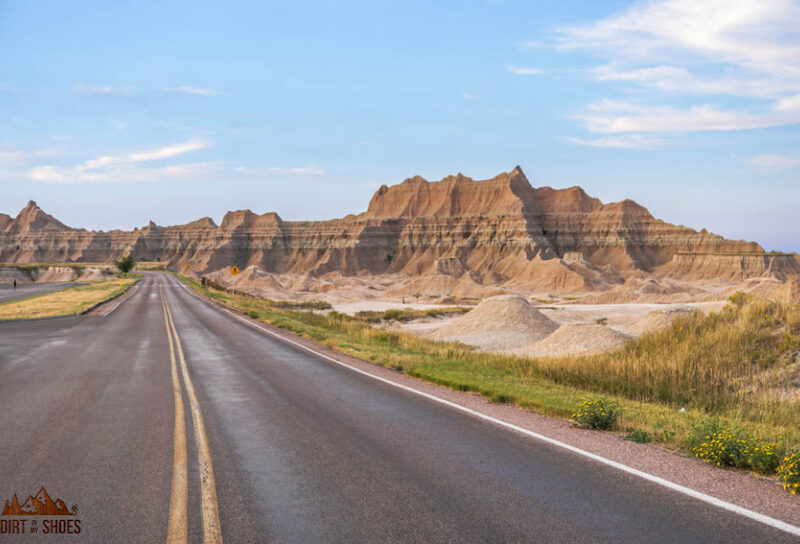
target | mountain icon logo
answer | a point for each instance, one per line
(38, 505)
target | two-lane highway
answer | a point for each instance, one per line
(169, 405)
(23, 290)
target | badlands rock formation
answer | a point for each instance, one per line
(457, 233)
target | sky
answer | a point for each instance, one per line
(116, 113)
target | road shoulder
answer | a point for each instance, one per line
(744, 490)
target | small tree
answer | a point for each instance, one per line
(125, 264)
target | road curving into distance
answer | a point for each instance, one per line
(25, 290)
(168, 420)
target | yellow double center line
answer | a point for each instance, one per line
(177, 531)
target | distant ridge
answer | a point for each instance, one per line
(496, 230)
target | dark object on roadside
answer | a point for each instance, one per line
(15, 284)
(203, 280)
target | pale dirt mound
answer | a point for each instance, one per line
(769, 288)
(656, 320)
(576, 339)
(93, 274)
(651, 291)
(760, 287)
(55, 273)
(497, 324)
(444, 285)
(254, 281)
(788, 292)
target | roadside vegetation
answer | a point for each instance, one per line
(72, 301)
(31, 266)
(371, 316)
(125, 264)
(731, 366)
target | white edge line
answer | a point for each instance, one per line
(124, 299)
(762, 518)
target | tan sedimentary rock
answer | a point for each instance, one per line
(731, 266)
(491, 232)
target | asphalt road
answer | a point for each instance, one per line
(282, 446)
(8, 293)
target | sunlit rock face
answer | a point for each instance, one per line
(495, 230)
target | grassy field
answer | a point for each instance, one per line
(720, 365)
(409, 314)
(71, 301)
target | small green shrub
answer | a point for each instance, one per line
(738, 299)
(723, 448)
(699, 432)
(305, 305)
(125, 264)
(597, 413)
(601, 321)
(789, 472)
(726, 447)
(640, 436)
(763, 457)
(253, 314)
(501, 398)
(394, 315)
(368, 316)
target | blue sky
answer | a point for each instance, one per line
(115, 113)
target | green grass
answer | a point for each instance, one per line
(664, 382)
(305, 305)
(408, 314)
(71, 301)
(31, 266)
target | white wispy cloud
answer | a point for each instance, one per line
(747, 49)
(12, 160)
(613, 117)
(128, 167)
(679, 80)
(105, 90)
(523, 70)
(770, 162)
(789, 104)
(628, 141)
(759, 35)
(306, 171)
(197, 91)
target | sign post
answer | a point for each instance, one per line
(234, 272)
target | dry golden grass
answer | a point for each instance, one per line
(665, 382)
(70, 301)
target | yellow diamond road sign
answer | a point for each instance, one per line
(234, 270)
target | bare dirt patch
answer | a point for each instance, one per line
(498, 323)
